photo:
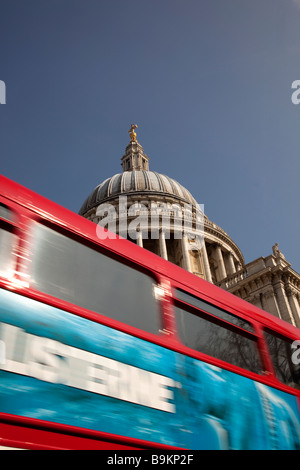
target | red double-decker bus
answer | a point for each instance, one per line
(104, 345)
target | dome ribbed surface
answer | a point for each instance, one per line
(130, 182)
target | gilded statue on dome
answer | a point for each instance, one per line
(132, 133)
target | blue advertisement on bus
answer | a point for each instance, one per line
(59, 367)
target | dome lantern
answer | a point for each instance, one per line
(134, 158)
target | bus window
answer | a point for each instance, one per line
(209, 308)
(284, 358)
(76, 273)
(215, 339)
(5, 213)
(7, 240)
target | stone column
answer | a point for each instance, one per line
(283, 304)
(140, 239)
(269, 302)
(294, 304)
(220, 262)
(231, 264)
(162, 245)
(206, 263)
(185, 253)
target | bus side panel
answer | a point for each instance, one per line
(236, 413)
(61, 368)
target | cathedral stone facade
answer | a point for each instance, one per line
(127, 201)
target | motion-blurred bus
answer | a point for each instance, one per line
(105, 345)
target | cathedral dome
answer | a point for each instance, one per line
(207, 250)
(135, 182)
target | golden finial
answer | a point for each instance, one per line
(132, 133)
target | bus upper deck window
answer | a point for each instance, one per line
(7, 239)
(284, 358)
(71, 271)
(216, 339)
(213, 310)
(5, 213)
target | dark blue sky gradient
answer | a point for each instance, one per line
(207, 81)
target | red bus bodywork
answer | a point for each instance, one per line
(27, 206)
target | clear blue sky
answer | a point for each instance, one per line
(207, 81)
